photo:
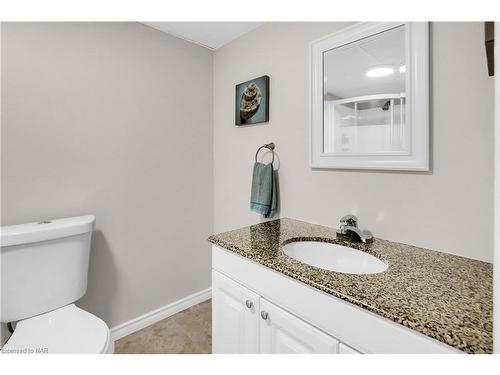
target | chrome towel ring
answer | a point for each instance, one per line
(269, 146)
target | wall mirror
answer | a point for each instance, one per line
(369, 96)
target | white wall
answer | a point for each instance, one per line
(449, 209)
(115, 120)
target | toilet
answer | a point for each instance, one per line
(44, 270)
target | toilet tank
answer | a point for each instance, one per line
(44, 266)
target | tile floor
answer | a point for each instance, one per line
(188, 332)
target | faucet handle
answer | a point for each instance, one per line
(349, 220)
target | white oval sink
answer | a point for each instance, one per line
(334, 257)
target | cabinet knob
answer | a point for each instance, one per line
(249, 304)
(264, 315)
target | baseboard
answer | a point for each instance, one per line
(154, 316)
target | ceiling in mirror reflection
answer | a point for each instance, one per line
(374, 65)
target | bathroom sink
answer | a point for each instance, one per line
(334, 257)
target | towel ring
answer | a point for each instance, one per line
(269, 146)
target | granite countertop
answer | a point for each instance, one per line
(443, 296)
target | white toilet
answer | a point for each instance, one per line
(44, 269)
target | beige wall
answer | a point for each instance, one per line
(449, 209)
(115, 120)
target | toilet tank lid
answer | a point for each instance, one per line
(45, 230)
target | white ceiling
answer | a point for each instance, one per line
(212, 35)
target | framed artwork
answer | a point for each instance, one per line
(252, 101)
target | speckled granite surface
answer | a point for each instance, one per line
(446, 297)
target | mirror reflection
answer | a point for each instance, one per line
(364, 96)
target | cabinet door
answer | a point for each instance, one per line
(235, 319)
(282, 333)
(344, 349)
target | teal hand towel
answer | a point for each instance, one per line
(263, 198)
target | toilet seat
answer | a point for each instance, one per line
(68, 329)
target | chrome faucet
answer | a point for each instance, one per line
(349, 230)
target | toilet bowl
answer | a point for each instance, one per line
(44, 271)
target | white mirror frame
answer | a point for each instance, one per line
(417, 104)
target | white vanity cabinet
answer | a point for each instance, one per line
(235, 317)
(284, 333)
(258, 310)
(344, 349)
(243, 322)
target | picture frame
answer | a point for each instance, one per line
(252, 101)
